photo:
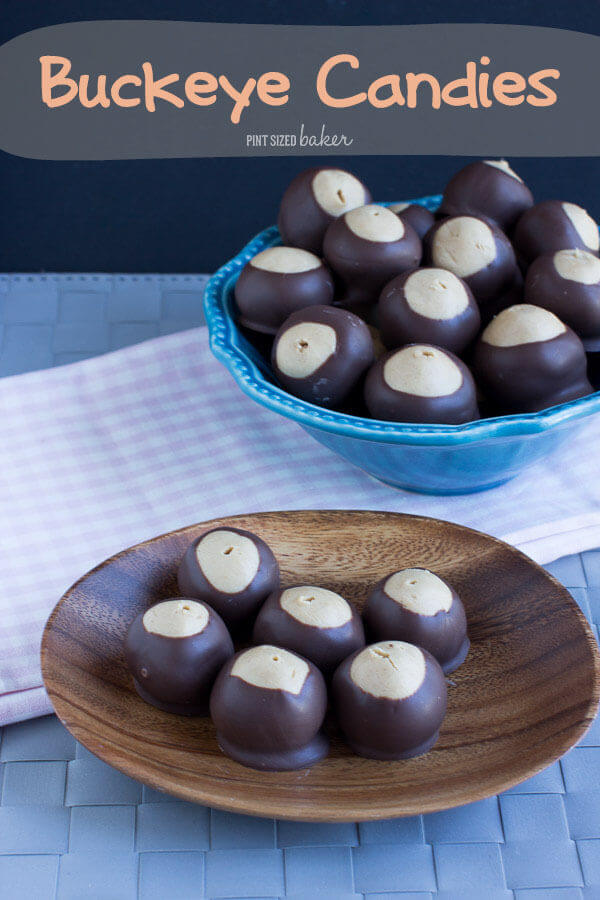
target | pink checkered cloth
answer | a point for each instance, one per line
(101, 454)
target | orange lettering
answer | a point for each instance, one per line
(273, 83)
(412, 83)
(324, 95)
(241, 98)
(100, 99)
(201, 83)
(156, 89)
(115, 91)
(50, 81)
(508, 83)
(536, 82)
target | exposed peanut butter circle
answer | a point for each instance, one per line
(303, 348)
(176, 618)
(285, 260)
(391, 669)
(316, 606)
(423, 371)
(522, 324)
(583, 224)
(436, 294)
(463, 245)
(419, 591)
(398, 207)
(271, 667)
(577, 265)
(337, 191)
(375, 223)
(504, 166)
(229, 561)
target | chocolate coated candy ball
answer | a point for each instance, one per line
(476, 251)
(390, 700)
(527, 360)
(487, 188)
(320, 354)
(430, 305)
(419, 218)
(231, 569)
(174, 651)
(276, 283)
(417, 606)
(421, 383)
(554, 225)
(366, 248)
(268, 706)
(313, 200)
(568, 284)
(312, 621)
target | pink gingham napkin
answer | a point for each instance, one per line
(101, 454)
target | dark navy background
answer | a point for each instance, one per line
(191, 215)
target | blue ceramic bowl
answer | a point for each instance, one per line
(436, 459)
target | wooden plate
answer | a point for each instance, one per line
(527, 692)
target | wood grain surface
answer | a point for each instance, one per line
(527, 692)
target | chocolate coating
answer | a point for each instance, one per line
(237, 608)
(481, 189)
(574, 302)
(443, 634)
(546, 228)
(511, 297)
(266, 298)
(495, 272)
(362, 266)
(528, 377)
(400, 323)
(262, 343)
(378, 345)
(419, 218)
(385, 728)
(393, 405)
(302, 220)
(326, 647)
(176, 674)
(592, 350)
(269, 728)
(338, 368)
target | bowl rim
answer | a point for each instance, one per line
(233, 350)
